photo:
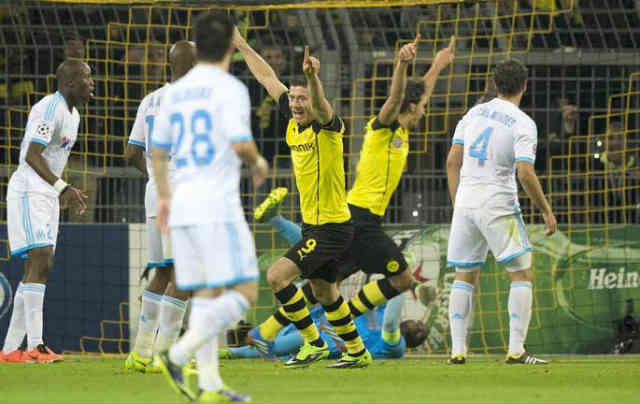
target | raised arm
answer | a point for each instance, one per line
(259, 67)
(392, 105)
(443, 58)
(321, 108)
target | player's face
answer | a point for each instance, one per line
(419, 112)
(83, 85)
(300, 105)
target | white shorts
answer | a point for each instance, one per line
(158, 246)
(475, 231)
(214, 255)
(32, 221)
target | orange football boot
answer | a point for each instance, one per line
(16, 356)
(43, 354)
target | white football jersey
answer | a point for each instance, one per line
(496, 135)
(200, 116)
(51, 124)
(142, 130)
(141, 135)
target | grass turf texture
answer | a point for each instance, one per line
(584, 379)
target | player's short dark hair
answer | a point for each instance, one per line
(414, 332)
(298, 82)
(413, 93)
(212, 32)
(510, 77)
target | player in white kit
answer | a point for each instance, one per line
(163, 306)
(34, 197)
(204, 122)
(492, 142)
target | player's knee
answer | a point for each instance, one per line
(40, 264)
(402, 281)
(525, 275)
(281, 274)
(249, 290)
(275, 279)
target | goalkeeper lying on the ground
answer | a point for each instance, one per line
(381, 330)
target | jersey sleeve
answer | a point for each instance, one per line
(46, 121)
(236, 117)
(526, 142)
(162, 129)
(136, 137)
(458, 134)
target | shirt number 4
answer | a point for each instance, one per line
(479, 146)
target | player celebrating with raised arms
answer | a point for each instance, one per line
(204, 121)
(34, 197)
(382, 161)
(492, 142)
(163, 305)
(314, 135)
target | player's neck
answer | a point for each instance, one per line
(224, 64)
(67, 98)
(514, 100)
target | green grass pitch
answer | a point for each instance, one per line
(575, 379)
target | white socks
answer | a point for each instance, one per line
(33, 295)
(460, 303)
(148, 324)
(208, 318)
(520, 301)
(17, 327)
(207, 358)
(171, 315)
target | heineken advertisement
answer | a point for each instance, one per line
(583, 280)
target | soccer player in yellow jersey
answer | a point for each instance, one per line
(382, 161)
(314, 135)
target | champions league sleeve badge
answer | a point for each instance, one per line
(6, 295)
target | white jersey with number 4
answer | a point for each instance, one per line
(495, 135)
(141, 135)
(200, 117)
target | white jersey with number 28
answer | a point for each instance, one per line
(200, 116)
(495, 135)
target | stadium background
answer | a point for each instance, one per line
(580, 53)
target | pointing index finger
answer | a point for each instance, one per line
(415, 41)
(306, 53)
(452, 43)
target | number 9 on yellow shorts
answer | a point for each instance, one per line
(321, 249)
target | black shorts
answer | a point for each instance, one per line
(322, 249)
(372, 250)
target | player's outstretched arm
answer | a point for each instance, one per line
(259, 67)
(248, 152)
(392, 105)
(454, 162)
(322, 109)
(443, 58)
(529, 180)
(68, 194)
